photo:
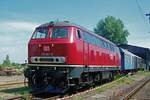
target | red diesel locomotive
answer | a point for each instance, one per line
(63, 55)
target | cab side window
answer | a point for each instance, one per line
(78, 34)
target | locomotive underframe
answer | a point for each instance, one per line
(62, 79)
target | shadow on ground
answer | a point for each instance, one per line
(18, 90)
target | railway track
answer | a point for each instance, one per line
(136, 89)
(58, 97)
(68, 97)
(17, 98)
(12, 83)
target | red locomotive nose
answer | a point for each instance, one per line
(51, 42)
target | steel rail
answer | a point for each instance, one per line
(17, 98)
(12, 83)
(53, 98)
(31, 97)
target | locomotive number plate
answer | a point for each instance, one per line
(46, 48)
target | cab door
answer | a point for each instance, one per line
(86, 53)
(85, 49)
(79, 47)
(82, 44)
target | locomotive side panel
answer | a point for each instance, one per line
(101, 53)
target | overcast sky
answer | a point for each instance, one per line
(18, 18)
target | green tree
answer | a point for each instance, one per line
(16, 65)
(112, 29)
(7, 62)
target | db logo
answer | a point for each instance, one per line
(46, 48)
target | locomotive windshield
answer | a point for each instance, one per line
(59, 32)
(40, 33)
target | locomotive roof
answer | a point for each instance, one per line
(63, 23)
(67, 23)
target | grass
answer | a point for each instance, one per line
(19, 90)
(127, 79)
(145, 73)
(23, 91)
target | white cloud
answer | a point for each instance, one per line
(17, 26)
(21, 25)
